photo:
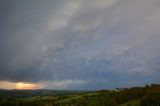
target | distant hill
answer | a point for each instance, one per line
(135, 96)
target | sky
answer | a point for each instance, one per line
(79, 44)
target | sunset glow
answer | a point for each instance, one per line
(22, 85)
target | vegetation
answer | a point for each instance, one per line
(136, 96)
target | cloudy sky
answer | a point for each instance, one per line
(79, 44)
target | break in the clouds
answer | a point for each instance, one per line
(80, 44)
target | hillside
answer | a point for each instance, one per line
(136, 96)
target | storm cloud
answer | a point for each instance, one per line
(80, 44)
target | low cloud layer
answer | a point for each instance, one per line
(81, 44)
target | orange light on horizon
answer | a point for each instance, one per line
(22, 85)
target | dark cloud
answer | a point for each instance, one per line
(85, 44)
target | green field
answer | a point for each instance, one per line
(131, 103)
(136, 96)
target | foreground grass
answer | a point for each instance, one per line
(131, 103)
(136, 96)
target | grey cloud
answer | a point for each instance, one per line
(78, 39)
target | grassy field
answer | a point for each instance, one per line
(131, 103)
(136, 96)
